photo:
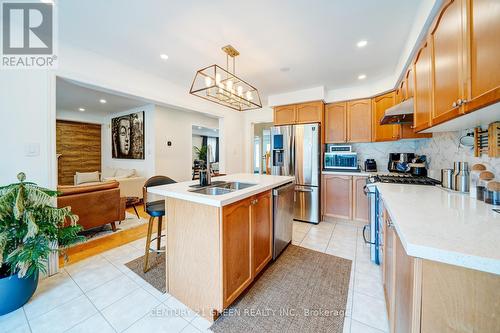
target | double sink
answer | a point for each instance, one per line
(219, 188)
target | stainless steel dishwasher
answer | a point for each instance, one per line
(283, 210)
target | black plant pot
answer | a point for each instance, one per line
(15, 292)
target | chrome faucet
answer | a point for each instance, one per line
(209, 176)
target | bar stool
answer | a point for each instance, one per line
(154, 209)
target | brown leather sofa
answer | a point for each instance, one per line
(95, 205)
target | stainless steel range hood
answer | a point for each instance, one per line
(401, 113)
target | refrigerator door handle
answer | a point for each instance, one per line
(364, 235)
(302, 189)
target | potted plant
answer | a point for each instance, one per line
(30, 226)
(201, 152)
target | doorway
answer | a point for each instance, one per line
(261, 161)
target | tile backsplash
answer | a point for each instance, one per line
(441, 151)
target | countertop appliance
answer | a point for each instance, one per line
(370, 165)
(398, 162)
(461, 177)
(341, 157)
(283, 209)
(295, 151)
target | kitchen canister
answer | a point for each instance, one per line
(484, 178)
(447, 178)
(461, 177)
(492, 193)
(474, 178)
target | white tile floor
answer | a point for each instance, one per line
(100, 294)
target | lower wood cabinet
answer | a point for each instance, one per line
(262, 236)
(246, 243)
(344, 197)
(337, 196)
(424, 296)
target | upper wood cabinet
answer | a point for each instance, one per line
(359, 119)
(484, 53)
(423, 89)
(336, 122)
(310, 112)
(379, 105)
(262, 226)
(284, 115)
(448, 69)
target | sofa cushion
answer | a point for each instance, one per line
(86, 177)
(69, 190)
(108, 172)
(124, 173)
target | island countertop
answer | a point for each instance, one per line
(184, 192)
(445, 226)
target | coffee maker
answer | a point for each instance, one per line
(400, 162)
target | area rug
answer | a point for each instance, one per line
(157, 273)
(303, 291)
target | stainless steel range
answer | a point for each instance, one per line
(371, 232)
(402, 178)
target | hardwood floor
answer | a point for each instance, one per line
(99, 245)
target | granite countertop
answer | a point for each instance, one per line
(445, 226)
(182, 190)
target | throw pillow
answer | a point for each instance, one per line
(124, 173)
(86, 177)
(108, 172)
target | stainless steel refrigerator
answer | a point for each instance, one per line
(295, 151)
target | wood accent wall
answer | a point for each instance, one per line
(80, 147)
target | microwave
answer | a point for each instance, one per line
(341, 160)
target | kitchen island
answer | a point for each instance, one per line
(441, 260)
(218, 244)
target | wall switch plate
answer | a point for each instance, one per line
(31, 149)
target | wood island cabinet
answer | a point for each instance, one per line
(359, 119)
(336, 122)
(246, 242)
(379, 105)
(215, 253)
(262, 233)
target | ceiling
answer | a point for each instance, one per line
(70, 96)
(205, 131)
(315, 40)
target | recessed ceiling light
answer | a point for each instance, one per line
(361, 77)
(361, 43)
(102, 101)
(81, 109)
(164, 56)
(47, 1)
(199, 127)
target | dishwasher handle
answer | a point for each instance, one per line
(287, 187)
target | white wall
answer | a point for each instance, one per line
(83, 117)
(176, 126)
(27, 110)
(145, 167)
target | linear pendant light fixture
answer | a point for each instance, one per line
(223, 87)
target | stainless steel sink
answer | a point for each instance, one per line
(222, 188)
(212, 191)
(235, 185)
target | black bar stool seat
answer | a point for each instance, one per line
(155, 209)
